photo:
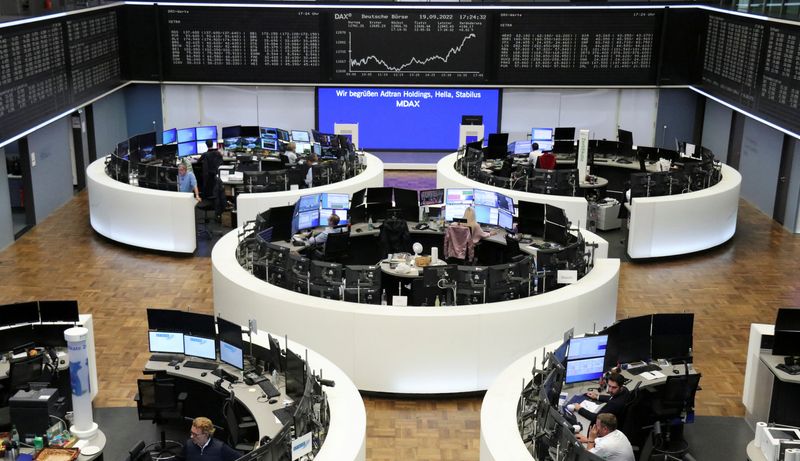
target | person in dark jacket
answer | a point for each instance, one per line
(202, 446)
(616, 399)
(211, 160)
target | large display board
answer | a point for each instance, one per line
(755, 64)
(241, 44)
(48, 66)
(409, 46)
(601, 46)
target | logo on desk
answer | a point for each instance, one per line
(301, 446)
(79, 377)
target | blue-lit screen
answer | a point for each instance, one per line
(336, 201)
(187, 148)
(169, 136)
(486, 214)
(505, 220)
(187, 134)
(588, 346)
(231, 355)
(406, 118)
(206, 132)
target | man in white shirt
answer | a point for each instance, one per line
(534, 155)
(606, 441)
(290, 153)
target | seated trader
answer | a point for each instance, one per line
(320, 239)
(616, 399)
(310, 161)
(187, 182)
(477, 232)
(202, 446)
(534, 155)
(606, 441)
(291, 155)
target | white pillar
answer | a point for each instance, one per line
(83, 427)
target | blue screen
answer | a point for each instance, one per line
(406, 118)
(206, 132)
(505, 220)
(162, 341)
(231, 355)
(584, 369)
(307, 219)
(199, 347)
(169, 136)
(486, 214)
(341, 213)
(505, 202)
(336, 201)
(187, 134)
(187, 148)
(588, 346)
(308, 202)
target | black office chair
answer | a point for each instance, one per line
(337, 247)
(320, 175)
(295, 176)
(675, 397)
(394, 237)
(240, 433)
(206, 207)
(158, 400)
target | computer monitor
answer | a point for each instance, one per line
(555, 215)
(230, 343)
(486, 215)
(308, 202)
(625, 137)
(234, 131)
(472, 119)
(206, 132)
(564, 134)
(473, 276)
(432, 275)
(202, 147)
(232, 143)
(254, 178)
(295, 375)
(169, 136)
(326, 273)
(305, 220)
(554, 233)
(505, 202)
(166, 341)
(195, 324)
(543, 137)
(587, 347)
(341, 201)
(187, 148)
(280, 219)
(362, 276)
(500, 275)
(363, 295)
(786, 339)
(453, 212)
(531, 218)
(276, 255)
(672, 336)
(58, 311)
(431, 197)
(484, 197)
(23, 372)
(166, 153)
(560, 353)
(269, 144)
(581, 370)
(122, 149)
(299, 265)
(505, 220)
(250, 131)
(459, 196)
(300, 136)
(198, 346)
(628, 340)
(379, 195)
(187, 134)
(325, 213)
(164, 319)
(357, 200)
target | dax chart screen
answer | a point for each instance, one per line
(406, 46)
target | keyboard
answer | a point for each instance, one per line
(639, 370)
(269, 389)
(791, 369)
(201, 365)
(165, 358)
(285, 414)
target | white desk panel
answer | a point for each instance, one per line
(248, 206)
(576, 208)
(141, 217)
(680, 224)
(415, 350)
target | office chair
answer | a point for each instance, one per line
(319, 175)
(675, 397)
(239, 432)
(458, 243)
(547, 161)
(337, 247)
(394, 237)
(512, 249)
(205, 207)
(295, 176)
(158, 400)
(276, 181)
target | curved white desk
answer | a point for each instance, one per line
(248, 206)
(415, 350)
(679, 224)
(447, 176)
(146, 218)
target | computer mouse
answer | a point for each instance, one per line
(177, 367)
(203, 374)
(358, 231)
(676, 371)
(273, 401)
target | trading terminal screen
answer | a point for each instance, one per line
(505, 220)
(308, 202)
(483, 197)
(197, 346)
(431, 197)
(169, 342)
(336, 201)
(459, 196)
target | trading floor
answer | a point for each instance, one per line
(728, 288)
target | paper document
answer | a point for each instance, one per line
(650, 375)
(591, 406)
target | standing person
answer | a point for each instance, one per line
(187, 182)
(212, 159)
(202, 446)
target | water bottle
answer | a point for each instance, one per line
(436, 302)
(383, 298)
(370, 226)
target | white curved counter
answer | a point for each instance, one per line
(679, 224)
(447, 176)
(146, 218)
(248, 206)
(415, 350)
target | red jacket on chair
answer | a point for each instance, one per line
(458, 243)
